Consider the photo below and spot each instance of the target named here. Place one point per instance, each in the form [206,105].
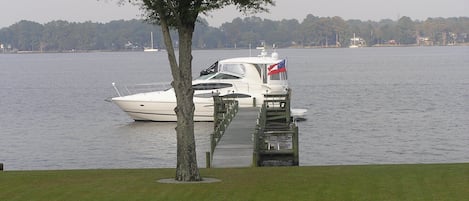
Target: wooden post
[208,160]
[216,110]
[254,102]
[213,143]
[255,153]
[255,159]
[288,110]
[296,147]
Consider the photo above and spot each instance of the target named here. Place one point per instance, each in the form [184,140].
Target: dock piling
[277,135]
[208,159]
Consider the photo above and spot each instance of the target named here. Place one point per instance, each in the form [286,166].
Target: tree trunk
[182,15]
[186,168]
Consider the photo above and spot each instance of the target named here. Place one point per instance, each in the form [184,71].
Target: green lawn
[369,182]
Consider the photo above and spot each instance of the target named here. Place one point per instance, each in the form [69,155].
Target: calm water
[366,106]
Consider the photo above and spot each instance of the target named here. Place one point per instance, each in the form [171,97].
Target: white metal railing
[125,90]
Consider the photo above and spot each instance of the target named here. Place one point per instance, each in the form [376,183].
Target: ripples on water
[385,106]
[366,106]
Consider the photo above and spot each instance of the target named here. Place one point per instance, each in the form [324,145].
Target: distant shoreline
[291,47]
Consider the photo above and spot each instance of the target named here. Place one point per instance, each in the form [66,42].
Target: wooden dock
[236,146]
[245,137]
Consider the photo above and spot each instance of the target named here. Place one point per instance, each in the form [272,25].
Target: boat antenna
[274,52]
[263,49]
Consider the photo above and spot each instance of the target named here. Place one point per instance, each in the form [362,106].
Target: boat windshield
[235,68]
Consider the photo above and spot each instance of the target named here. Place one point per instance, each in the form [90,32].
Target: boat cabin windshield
[235,68]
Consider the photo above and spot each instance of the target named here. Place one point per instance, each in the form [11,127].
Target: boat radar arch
[263,52]
[274,55]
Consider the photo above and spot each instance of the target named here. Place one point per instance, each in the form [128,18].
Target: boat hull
[161,111]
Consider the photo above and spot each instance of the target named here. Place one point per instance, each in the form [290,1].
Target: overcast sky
[43,11]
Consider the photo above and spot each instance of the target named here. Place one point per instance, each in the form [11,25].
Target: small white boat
[357,42]
[245,79]
[151,49]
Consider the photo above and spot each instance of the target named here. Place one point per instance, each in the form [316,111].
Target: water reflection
[153,144]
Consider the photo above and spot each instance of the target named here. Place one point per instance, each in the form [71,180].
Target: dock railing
[125,90]
[225,110]
[276,135]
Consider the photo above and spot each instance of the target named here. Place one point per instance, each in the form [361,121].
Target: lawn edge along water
[352,182]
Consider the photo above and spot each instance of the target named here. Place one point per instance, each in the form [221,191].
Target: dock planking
[236,146]
[245,137]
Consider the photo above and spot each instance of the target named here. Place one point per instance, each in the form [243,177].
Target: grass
[368,182]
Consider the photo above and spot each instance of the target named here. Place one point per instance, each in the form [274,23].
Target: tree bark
[186,168]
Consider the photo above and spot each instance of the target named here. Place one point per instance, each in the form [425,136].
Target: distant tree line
[313,31]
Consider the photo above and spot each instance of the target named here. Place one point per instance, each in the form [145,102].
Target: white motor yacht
[245,79]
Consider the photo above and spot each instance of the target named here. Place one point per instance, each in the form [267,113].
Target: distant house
[424,41]
[391,42]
